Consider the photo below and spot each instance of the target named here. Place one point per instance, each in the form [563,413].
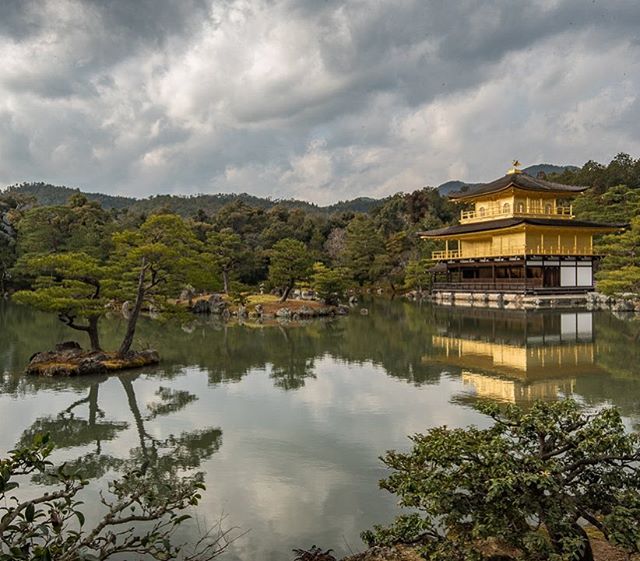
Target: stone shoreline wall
[592,300]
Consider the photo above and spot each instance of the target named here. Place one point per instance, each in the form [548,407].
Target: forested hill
[47,195]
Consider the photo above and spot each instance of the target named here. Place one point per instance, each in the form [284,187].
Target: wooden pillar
[446,248]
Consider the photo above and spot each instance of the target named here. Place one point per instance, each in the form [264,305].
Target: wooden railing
[492,213]
[517,251]
[488,285]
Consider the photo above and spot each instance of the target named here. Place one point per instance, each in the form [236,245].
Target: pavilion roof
[519,180]
[510,222]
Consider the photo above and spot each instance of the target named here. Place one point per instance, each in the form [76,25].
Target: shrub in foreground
[529,484]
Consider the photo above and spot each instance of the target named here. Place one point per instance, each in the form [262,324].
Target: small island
[69,359]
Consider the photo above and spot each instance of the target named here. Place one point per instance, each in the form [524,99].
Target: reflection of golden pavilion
[517,356]
[522,362]
[499,389]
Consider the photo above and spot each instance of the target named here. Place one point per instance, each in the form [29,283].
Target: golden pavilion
[517,234]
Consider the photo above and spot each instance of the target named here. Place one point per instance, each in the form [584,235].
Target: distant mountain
[47,194]
[548,169]
[361,204]
[454,186]
[189,205]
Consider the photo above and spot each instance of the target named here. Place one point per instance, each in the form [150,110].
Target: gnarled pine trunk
[125,346]
[225,280]
[90,329]
[94,334]
[286,292]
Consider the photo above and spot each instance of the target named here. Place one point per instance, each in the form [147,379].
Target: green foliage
[620,267]
[80,225]
[227,250]
[417,275]
[620,281]
[53,526]
[166,247]
[54,195]
[330,284]
[617,205]
[66,283]
[69,284]
[528,481]
[8,237]
[622,170]
[362,245]
[614,198]
[289,262]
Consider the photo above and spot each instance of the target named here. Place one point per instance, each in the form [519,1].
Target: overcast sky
[315,99]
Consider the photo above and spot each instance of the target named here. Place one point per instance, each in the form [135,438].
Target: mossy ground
[87,362]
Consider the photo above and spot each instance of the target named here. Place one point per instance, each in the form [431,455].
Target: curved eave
[523,182]
[510,224]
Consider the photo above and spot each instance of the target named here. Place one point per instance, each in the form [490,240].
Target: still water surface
[287,422]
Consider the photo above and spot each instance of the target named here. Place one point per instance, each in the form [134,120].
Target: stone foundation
[511,301]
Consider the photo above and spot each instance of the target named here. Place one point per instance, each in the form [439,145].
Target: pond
[287,422]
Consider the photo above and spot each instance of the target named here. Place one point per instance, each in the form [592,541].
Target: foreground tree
[290,263]
[529,482]
[151,264]
[141,514]
[68,284]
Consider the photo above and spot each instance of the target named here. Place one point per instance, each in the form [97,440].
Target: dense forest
[238,242]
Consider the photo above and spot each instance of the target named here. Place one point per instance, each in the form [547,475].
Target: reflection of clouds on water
[302,467]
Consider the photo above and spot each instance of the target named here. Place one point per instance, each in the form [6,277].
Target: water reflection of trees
[87,427]
[397,336]
[394,336]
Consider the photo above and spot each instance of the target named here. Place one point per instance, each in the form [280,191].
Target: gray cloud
[317,100]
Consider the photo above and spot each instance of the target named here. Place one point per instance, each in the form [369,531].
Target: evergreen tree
[363,243]
[226,248]
[290,262]
[68,284]
[417,276]
[330,284]
[151,264]
[620,267]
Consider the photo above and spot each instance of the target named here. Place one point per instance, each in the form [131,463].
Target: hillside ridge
[48,194]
